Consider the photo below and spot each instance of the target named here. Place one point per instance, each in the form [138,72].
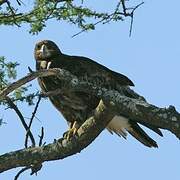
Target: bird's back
[84,67]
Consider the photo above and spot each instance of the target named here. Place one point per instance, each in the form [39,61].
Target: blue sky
[150,58]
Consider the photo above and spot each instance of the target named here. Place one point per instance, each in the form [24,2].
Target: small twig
[41,136]
[137,7]
[20,2]
[78,33]
[109,17]
[7,16]
[132,18]
[35,110]
[18,112]
[30,122]
[114,13]
[13,13]
[85,29]
[20,172]
[28,78]
[30,70]
[131,25]
[124,7]
[52,10]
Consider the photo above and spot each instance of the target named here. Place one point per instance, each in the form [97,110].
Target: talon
[71,132]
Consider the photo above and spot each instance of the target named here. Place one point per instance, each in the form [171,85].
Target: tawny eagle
[75,107]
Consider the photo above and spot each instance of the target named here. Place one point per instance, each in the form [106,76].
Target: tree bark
[61,148]
[112,101]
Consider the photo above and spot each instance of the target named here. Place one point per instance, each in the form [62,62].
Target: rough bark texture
[60,148]
[165,118]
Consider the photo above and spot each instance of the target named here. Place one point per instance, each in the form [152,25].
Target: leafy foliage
[74,12]
[37,13]
[8,73]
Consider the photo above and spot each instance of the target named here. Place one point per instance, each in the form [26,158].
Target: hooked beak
[44,52]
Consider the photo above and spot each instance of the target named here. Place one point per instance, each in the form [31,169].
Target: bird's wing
[111,76]
[101,76]
[93,71]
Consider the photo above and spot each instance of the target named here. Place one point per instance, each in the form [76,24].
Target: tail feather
[137,132]
[153,128]
[121,125]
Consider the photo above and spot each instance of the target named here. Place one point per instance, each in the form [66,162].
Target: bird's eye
[38,46]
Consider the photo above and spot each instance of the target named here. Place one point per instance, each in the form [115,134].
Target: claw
[71,132]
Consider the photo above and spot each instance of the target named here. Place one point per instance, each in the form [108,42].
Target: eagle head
[45,52]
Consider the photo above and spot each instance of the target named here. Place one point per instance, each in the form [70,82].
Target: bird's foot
[72,132]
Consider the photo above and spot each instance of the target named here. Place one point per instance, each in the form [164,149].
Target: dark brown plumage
[76,107]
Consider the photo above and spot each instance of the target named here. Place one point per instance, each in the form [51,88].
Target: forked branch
[112,101]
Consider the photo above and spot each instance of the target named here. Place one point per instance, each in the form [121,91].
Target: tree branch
[84,17]
[61,148]
[18,112]
[32,76]
[139,109]
[114,101]
[30,122]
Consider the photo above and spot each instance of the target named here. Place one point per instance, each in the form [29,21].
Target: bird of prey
[76,106]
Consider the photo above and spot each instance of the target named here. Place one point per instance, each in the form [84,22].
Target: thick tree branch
[138,109]
[61,148]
